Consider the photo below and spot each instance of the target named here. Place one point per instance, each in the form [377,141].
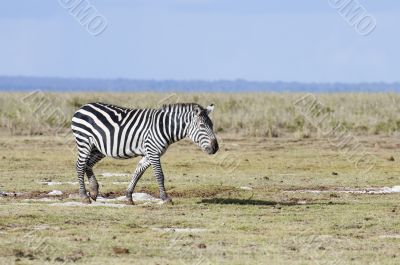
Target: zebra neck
[179,129]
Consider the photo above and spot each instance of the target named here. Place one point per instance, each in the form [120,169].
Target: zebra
[104,130]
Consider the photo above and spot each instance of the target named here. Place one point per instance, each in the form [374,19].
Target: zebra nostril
[214,146]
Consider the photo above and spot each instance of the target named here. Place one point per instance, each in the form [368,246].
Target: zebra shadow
[264,202]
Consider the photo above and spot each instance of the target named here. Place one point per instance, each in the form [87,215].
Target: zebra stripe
[106,130]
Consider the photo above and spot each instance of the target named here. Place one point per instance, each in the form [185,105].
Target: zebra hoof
[128,199]
[86,200]
[129,202]
[168,200]
[94,190]
[93,195]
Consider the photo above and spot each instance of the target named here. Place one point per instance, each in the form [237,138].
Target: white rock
[53,183]
[42,227]
[396,189]
[55,193]
[108,174]
[140,196]
[11,194]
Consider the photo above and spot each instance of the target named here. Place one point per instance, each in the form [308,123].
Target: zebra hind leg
[80,170]
[95,156]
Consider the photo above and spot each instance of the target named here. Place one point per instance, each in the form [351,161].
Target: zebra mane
[180,106]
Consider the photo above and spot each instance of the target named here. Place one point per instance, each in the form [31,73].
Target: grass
[272,222]
[267,145]
[254,114]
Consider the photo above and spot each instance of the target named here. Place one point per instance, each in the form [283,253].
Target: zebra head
[200,129]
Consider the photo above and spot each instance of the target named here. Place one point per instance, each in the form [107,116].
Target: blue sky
[266,40]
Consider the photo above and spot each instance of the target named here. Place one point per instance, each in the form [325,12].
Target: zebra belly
[124,157]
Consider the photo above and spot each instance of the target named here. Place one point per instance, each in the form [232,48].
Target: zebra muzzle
[213,148]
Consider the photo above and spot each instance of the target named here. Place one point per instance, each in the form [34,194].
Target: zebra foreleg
[143,164]
[95,157]
[158,172]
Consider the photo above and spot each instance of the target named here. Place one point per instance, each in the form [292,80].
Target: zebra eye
[202,126]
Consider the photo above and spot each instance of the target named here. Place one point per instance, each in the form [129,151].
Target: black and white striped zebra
[106,130]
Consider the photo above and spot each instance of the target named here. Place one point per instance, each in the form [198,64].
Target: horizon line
[199,80]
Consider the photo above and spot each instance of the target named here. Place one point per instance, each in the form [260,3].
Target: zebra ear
[210,109]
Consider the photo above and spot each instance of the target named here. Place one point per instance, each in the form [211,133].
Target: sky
[260,40]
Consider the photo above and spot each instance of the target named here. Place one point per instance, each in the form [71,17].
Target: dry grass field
[278,192]
[251,114]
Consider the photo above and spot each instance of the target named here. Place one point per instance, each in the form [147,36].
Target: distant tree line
[22,83]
